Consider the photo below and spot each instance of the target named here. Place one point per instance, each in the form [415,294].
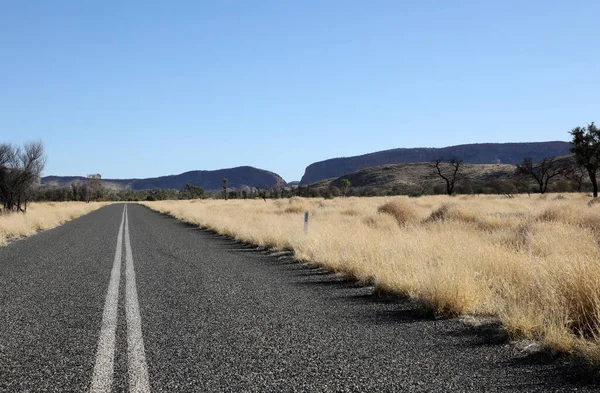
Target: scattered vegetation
[447,171]
[346,185]
[40,216]
[225,182]
[543,171]
[400,210]
[586,148]
[530,261]
[20,170]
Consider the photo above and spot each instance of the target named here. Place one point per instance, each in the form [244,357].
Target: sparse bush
[350,212]
[382,222]
[401,211]
[555,213]
[563,186]
[20,169]
[439,214]
[439,189]
[464,187]
[593,202]
[294,209]
[415,191]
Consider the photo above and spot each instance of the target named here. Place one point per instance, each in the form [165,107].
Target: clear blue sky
[147,88]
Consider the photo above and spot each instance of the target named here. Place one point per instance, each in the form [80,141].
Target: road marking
[137,367]
[105,355]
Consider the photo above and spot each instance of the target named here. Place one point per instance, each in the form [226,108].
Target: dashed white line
[104,368]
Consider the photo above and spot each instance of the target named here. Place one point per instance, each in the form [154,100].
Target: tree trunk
[594,181]
[546,185]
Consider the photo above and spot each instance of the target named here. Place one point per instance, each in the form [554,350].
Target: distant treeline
[496,186]
[92,191]
[79,192]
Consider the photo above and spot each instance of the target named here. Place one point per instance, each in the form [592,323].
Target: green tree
[346,185]
[586,147]
[191,192]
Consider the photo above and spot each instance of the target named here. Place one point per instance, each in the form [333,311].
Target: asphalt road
[126,299]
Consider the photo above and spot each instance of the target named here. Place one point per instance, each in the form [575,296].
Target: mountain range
[480,153]
[329,170]
[209,180]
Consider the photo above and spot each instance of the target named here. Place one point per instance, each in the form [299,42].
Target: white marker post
[306,222]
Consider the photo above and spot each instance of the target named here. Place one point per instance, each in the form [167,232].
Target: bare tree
[225,182]
[94,190]
[448,171]
[74,189]
[542,172]
[576,173]
[84,191]
[20,170]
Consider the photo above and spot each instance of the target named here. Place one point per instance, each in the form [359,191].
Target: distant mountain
[480,153]
[209,180]
[410,174]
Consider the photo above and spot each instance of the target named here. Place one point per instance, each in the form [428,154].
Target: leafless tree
[20,170]
[542,172]
[576,173]
[94,189]
[225,182]
[75,189]
[449,171]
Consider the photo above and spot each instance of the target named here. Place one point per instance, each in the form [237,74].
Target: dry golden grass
[532,262]
[41,216]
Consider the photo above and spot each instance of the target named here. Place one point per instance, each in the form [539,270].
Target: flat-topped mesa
[478,153]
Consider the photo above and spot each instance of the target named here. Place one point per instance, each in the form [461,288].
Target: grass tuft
[400,210]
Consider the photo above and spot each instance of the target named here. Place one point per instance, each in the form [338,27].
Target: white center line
[105,355]
[137,367]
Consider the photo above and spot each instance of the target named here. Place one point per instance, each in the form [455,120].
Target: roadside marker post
[306,222]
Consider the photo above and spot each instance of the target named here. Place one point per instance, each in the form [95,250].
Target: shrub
[593,202]
[350,212]
[294,209]
[415,191]
[438,214]
[402,212]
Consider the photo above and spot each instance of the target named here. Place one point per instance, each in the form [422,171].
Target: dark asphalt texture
[220,316]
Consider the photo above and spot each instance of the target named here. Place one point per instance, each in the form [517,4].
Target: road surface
[126,299]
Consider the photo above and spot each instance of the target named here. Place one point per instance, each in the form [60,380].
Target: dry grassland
[41,216]
[534,263]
